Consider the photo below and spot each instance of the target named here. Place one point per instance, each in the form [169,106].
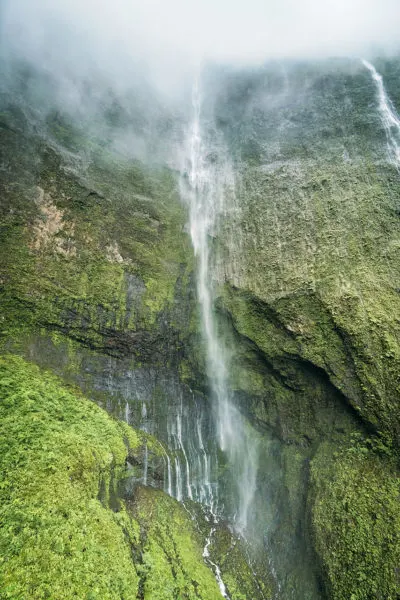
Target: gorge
[199,332]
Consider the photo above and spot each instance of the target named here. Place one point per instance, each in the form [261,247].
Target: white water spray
[178,478]
[206,494]
[169,475]
[127,412]
[390,119]
[208,184]
[145,466]
[182,448]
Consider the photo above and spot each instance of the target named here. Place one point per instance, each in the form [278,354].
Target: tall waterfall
[390,119]
[207,184]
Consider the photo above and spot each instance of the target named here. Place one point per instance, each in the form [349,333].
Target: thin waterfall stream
[207,182]
[389,117]
[212,451]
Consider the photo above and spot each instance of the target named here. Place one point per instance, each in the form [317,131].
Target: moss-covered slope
[57,538]
[355,514]
[59,455]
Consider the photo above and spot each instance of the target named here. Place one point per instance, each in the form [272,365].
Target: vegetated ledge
[76,522]
[62,460]
[354,503]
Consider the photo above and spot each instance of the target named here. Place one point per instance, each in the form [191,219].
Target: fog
[182,32]
[144,53]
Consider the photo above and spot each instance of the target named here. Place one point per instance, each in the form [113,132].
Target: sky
[188,30]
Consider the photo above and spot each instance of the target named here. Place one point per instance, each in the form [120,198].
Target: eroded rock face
[313,305]
[316,254]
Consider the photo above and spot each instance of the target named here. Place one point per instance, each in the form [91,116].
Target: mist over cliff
[199,234]
[143,56]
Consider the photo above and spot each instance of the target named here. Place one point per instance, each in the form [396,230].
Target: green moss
[241,579]
[356,520]
[100,257]
[62,461]
[57,539]
[173,566]
[278,385]
[318,276]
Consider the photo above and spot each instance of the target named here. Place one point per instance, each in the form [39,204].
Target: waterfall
[169,475]
[206,495]
[182,448]
[127,412]
[214,566]
[390,119]
[178,477]
[207,182]
[145,465]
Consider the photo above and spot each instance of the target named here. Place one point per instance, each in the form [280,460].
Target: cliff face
[97,270]
[93,251]
[97,284]
[319,230]
[314,302]
[70,524]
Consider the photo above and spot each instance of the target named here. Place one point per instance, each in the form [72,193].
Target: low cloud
[157,34]
[140,55]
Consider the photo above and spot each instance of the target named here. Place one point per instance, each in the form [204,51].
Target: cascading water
[390,119]
[190,460]
[208,181]
[215,567]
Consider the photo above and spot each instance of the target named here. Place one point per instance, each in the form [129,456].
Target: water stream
[207,183]
[390,119]
[214,566]
[208,186]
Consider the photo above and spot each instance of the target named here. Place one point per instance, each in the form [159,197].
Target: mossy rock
[243,580]
[355,493]
[57,538]
[66,531]
[98,254]
[316,252]
[172,562]
[321,286]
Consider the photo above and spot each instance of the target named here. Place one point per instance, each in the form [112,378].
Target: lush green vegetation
[243,582]
[57,539]
[356,520]
[98,256]
[59,454]
[172,562]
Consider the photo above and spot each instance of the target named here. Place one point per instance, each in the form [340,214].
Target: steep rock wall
[96,284]
[314,301]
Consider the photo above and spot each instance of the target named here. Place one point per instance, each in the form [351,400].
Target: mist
[143,55]
[171,37]
[188,30]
